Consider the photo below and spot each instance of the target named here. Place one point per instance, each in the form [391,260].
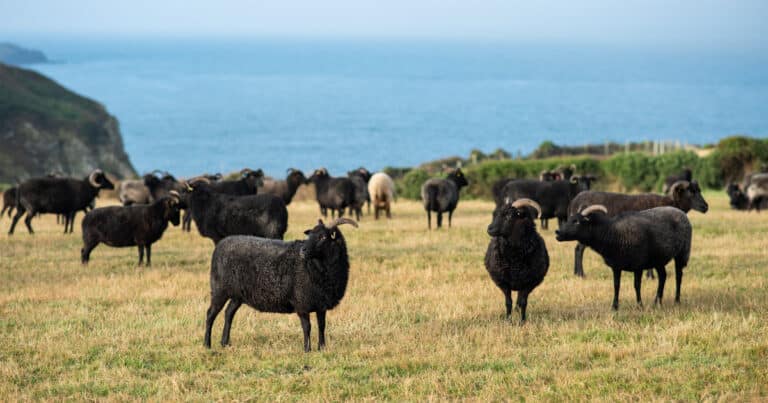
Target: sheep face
[98,178]
[319,174]
[458,177]
[172,211]
[687,195]
[321,241]
[512,222]
[739,200]
[580,226]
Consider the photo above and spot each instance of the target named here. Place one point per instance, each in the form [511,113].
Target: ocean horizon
[192,106]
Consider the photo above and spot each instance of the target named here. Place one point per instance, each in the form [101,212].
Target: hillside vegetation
[421,320]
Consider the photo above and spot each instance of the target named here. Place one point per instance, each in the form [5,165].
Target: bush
[409,186]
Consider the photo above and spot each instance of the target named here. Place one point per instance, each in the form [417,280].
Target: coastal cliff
[45,127]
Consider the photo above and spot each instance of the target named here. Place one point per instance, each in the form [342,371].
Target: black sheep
[136,225]
[219,215]
[497,190]
[283,277]
[552,196]
[634,241]
[248,184]
[684,195]
[64,196]
[442,195]
[335,194]
[284,189]
[359,178]
[516,258]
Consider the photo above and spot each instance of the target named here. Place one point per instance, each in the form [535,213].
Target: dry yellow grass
[421,320]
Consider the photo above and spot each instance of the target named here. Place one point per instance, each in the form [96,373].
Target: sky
[701,23]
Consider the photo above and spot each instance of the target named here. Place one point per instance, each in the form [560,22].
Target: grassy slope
[421,319]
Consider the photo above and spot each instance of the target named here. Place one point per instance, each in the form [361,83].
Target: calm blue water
[193,106]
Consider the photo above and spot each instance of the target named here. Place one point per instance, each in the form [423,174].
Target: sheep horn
[575,179]
[175,196]
[339,221]
[527,202]
[595,207]
[245,171]
[683,184]
[92,177]
[289,170]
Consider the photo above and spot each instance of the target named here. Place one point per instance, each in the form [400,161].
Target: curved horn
[339,221]
[595,207]
[527,202]
[678,184]
[175,196]
[575,179]
[289,170]
[92,177]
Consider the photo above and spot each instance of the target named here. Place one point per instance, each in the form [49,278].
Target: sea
[194,105]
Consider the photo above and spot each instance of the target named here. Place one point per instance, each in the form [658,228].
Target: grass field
[421,320]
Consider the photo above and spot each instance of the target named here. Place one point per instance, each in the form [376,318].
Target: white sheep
[382,191]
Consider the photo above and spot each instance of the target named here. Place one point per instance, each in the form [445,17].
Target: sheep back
[381,188]
[439,195]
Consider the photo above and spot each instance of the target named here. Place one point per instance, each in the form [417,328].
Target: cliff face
[44,127]
[12,54]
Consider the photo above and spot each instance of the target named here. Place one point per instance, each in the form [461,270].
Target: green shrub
[409,186]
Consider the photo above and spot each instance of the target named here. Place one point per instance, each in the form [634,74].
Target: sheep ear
[307,232]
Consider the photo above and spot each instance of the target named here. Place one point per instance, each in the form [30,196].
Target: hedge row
[634,171]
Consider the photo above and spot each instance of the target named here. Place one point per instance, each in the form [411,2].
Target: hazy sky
[704,23]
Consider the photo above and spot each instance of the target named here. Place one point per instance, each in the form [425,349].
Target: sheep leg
[376,213]
[149,254]
[141,254]
[429,221]
[578,264]
[85,253]
[217,303]
[662,280]
[229,314]
[306,326]
[28,221]
[321,329]
[638,282]
[508,301]
[450,214]
[678,281]
[439,219]
[522,303]
[616,286]
[19,213]
[389,213]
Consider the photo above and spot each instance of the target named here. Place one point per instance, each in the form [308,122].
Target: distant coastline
[17,55]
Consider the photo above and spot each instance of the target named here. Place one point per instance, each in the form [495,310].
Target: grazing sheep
[739,200]
[685,175]
[137,225]
[516,258]
[284,189]
[248,184]
[64,196]
[381,189]
[283,277]
[684,195]
[553,196]
[9,201]
[335,194]
[133,192]
[442,195]
[756,190]
[361,196]
[634,241]
[220,215]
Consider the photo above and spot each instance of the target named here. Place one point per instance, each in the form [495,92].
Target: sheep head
[580,225]
[325,240]
[515,221]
